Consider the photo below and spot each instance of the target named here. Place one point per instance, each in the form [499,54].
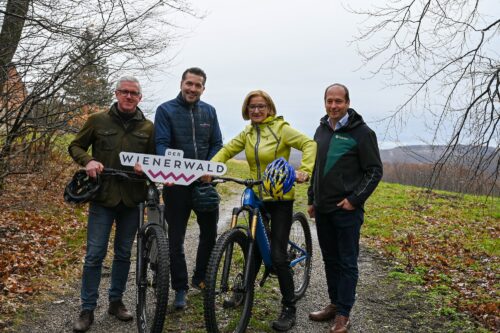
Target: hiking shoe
[83,322]
[180,299]
[325,314]
[118,309]
[286,319]
[341,324]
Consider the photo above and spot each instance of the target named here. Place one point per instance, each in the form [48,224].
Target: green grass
[447,242]
[406,277]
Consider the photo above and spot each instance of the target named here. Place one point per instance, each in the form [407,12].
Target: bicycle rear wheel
[300,248]
[153,284]
[227,301]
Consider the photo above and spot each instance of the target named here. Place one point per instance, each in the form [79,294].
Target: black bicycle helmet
[279,178]
[81,188]
[205,198]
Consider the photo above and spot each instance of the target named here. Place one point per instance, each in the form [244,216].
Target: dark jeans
[281,222]
[99,228]
[338,235]
[178,208]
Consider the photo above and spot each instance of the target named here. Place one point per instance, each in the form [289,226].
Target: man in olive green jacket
[122,128]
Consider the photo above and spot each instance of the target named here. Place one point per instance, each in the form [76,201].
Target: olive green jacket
[108,135]
[265,142]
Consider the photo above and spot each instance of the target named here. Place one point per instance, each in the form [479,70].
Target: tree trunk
[10,35]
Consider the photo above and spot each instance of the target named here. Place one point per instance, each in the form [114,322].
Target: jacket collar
[269,120]
[113,110]
[354,120]
[183,102]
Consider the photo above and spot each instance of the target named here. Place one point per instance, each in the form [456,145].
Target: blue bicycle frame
[231,279]
[258,229]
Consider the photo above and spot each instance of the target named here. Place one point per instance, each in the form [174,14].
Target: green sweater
[108,135]
[265,142]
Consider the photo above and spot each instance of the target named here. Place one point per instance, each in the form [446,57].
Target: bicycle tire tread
[229,236]
[162,280]
[299,216]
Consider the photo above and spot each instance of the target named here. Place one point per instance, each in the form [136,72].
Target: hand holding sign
[173,167]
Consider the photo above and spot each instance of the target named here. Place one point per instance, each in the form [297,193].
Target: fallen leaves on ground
[435,238]
[35,226]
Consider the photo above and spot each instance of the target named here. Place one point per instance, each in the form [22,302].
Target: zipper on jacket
[194,134]
[277,140]
[257,162]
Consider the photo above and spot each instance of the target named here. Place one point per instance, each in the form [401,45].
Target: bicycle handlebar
[246,182]
[129,175]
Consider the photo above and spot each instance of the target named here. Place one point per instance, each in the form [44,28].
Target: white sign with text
[173,167]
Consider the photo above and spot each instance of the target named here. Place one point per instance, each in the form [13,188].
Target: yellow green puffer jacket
[265,142]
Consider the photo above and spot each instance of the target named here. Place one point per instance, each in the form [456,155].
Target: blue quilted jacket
[193,128]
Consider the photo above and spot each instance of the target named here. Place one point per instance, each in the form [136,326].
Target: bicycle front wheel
[153,284]
[300,253]
[227,300]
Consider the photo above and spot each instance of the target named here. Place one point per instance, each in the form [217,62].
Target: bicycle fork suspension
[228,257]
[249,269]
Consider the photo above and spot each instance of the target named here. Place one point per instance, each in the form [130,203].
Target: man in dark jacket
[191,125]
[122,128]
[347,171]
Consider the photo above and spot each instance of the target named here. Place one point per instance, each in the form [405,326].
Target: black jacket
[347,165]
[192,128]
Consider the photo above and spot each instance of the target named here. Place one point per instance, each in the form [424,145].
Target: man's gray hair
[128,79]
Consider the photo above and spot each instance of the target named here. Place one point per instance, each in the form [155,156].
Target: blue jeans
[99,228]
[338,235]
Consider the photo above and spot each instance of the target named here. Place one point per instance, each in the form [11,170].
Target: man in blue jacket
[191,125]
[347,170]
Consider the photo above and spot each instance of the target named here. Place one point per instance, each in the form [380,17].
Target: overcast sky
[292,50]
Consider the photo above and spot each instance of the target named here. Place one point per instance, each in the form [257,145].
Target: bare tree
[44,54]
[447,53]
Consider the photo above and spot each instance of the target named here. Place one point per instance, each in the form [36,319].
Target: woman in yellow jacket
[267,138]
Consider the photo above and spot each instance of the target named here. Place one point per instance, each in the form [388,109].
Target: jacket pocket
[107,139]
[139,140]
[203,131]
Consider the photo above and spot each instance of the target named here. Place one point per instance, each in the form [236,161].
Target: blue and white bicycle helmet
[279,178]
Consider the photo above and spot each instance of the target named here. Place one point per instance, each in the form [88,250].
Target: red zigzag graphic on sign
[170,174]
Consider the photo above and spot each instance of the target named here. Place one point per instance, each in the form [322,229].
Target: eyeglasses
[128,92]
[259,107]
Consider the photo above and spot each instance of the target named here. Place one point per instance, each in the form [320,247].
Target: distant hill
[414,165]
[427,153]
[464,156]
[418,154]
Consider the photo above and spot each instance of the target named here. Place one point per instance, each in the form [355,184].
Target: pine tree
[89,87]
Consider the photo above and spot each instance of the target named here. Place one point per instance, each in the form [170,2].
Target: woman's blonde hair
[263,94]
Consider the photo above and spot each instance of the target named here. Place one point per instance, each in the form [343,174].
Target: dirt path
[382,305]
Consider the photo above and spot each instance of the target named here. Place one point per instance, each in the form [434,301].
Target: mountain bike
[152,265]
[237,257]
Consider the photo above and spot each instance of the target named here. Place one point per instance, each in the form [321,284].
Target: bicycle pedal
[228,304]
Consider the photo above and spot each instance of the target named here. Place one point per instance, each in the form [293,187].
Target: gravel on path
[382,305]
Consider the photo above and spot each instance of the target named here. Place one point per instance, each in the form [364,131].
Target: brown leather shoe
[83,322]
[341,324]
[325,314]
[118,309]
